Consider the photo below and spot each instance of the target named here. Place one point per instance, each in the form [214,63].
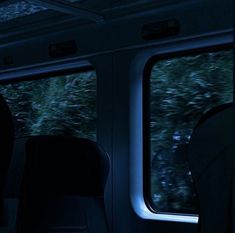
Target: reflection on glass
[182,90]
[19,9]
[63,105]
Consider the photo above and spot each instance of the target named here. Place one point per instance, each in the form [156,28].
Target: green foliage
[54,106]
[182,90]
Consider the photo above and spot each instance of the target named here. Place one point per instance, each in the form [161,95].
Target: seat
[6,146]
[212,163]
[63,186]
[6,139]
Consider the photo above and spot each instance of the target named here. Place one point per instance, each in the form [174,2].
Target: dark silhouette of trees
[54,106]
[182,90]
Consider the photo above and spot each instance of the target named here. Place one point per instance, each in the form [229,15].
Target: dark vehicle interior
[117,116]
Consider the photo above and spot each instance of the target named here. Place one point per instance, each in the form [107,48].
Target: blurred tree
[55,106]
[182,90]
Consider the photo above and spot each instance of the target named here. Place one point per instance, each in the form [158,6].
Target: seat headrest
[212,136]
[213,112]
[6,136]
[66,165]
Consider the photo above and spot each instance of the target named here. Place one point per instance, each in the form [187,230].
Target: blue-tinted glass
[182,90]
[64,105]
[19,9]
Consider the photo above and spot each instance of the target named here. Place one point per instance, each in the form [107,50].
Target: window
[178,91]
[62,105]
[19,9]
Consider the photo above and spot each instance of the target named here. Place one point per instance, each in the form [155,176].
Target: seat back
[212,163]
[63,186]
[6,145]
[6,138]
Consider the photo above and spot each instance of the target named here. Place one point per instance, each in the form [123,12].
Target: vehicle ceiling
[18,16]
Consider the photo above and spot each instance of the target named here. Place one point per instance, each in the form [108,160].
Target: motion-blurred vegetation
[182,90]
[54,106]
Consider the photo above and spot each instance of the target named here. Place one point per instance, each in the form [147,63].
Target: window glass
[19,9]
[64,105]
[182,89]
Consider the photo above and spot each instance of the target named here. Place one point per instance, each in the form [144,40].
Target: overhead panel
[70,9]
[74,1]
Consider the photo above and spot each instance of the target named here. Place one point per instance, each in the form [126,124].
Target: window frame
[45,75]
[146,116]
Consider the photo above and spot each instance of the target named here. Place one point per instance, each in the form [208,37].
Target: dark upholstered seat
[212,162]
[63,186]
[6,145]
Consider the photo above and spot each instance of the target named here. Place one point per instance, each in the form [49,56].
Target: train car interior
[117,116]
